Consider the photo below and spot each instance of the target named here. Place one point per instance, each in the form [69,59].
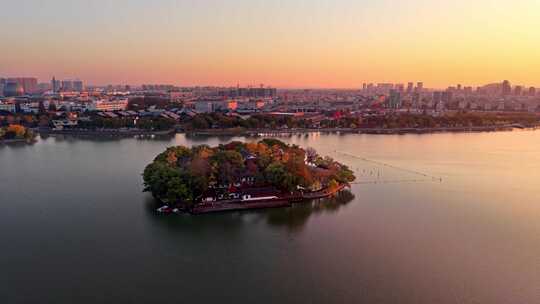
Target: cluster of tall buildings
[67,85]
[497,96]
[260,92]
[505,89]
[395,92]
[18,86]
[387,88]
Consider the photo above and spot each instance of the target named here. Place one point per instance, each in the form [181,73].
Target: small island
[242,176]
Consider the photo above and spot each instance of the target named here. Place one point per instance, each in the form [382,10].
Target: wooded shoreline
[382,131]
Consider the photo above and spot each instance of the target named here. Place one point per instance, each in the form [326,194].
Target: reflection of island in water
[295,217]
[292,218]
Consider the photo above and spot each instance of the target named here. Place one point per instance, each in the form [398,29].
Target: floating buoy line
[426,177]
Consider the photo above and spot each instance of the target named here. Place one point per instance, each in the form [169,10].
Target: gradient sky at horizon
[289,43]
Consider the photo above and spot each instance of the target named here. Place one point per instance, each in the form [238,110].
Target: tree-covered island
[237,173]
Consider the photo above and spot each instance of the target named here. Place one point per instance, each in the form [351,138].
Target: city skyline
[403,86]
[298,44]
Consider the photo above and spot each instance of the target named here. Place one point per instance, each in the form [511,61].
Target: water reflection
[202,138]
[106,138]
[16,144]
[191,224]
[293,219]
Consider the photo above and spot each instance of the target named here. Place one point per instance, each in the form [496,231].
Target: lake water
[442,218]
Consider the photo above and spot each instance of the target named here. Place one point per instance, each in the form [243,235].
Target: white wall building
[106,105]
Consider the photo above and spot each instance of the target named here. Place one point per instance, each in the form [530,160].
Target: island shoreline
[280,202]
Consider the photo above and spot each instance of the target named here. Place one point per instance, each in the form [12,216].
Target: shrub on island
[183,175]
[16,132]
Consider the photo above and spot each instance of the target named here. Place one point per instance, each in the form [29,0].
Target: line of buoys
[403,181]
[389,166]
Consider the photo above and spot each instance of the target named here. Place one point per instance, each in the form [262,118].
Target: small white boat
[164,209]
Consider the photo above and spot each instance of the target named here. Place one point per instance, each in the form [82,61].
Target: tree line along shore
[137,119]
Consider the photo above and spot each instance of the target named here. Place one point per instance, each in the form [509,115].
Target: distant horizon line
[307,87]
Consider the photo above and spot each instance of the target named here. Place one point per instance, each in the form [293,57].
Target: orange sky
[295,43]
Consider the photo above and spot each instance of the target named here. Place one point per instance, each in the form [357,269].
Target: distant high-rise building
[370,87]
[437,97]
[67,85]
[417,97]
[260,92]
[394,100]
[384,88]
[43,87]
[410,88]
[447,97]
[518,90]
[419,87]
[532,91]
[13,89]
[56,85]
[29,84]
[506,88]
[78,85]
[2,85]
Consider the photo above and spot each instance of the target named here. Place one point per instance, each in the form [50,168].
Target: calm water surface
[445,218]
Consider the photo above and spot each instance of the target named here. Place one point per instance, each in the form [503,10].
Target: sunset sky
[289,43]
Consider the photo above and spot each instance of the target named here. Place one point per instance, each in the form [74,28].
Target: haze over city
[316,43]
